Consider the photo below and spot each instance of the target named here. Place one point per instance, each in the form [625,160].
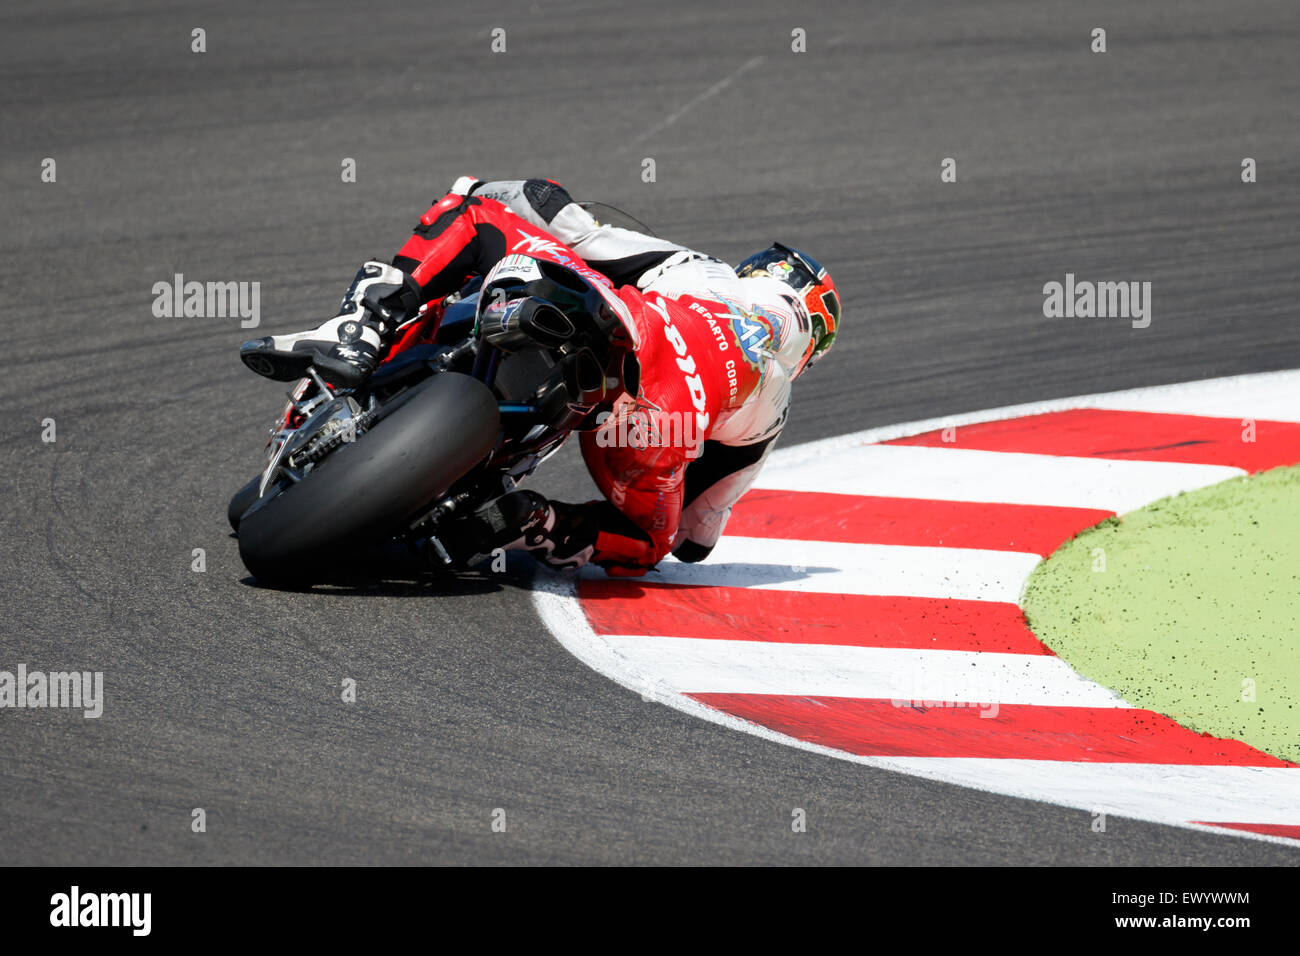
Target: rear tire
[429,437]
[242,500]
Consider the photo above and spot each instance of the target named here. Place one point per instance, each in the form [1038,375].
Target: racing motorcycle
[456,415]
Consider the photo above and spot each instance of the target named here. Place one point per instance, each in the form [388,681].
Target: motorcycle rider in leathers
[696,414]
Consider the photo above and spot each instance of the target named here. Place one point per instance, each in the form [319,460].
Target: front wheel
[430,436]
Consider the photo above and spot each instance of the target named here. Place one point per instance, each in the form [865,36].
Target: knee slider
[546,198]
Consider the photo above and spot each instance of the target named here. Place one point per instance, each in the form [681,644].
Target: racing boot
[346,349]
[557,534]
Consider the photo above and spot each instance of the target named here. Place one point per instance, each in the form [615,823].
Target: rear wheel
[429,437]
[241,501]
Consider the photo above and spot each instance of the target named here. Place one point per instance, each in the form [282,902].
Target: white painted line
[694,101]
[1273,396]
[832,567]
[1272,392]
[965,474]
[702,665]
[1269,795]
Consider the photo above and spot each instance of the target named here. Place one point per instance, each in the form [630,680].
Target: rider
[716,350]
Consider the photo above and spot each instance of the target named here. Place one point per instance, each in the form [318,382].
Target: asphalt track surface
[226,166]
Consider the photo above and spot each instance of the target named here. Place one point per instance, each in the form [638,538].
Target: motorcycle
[453,418]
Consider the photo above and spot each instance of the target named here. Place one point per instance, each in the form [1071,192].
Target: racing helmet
[813,292]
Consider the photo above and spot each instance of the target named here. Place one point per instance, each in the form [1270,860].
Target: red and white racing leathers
[717,354]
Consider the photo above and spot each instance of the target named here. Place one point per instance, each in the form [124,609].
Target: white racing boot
[348,347]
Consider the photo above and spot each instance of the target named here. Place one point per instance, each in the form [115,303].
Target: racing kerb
[864,604]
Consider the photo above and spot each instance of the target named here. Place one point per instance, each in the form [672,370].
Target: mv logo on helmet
[686,363]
